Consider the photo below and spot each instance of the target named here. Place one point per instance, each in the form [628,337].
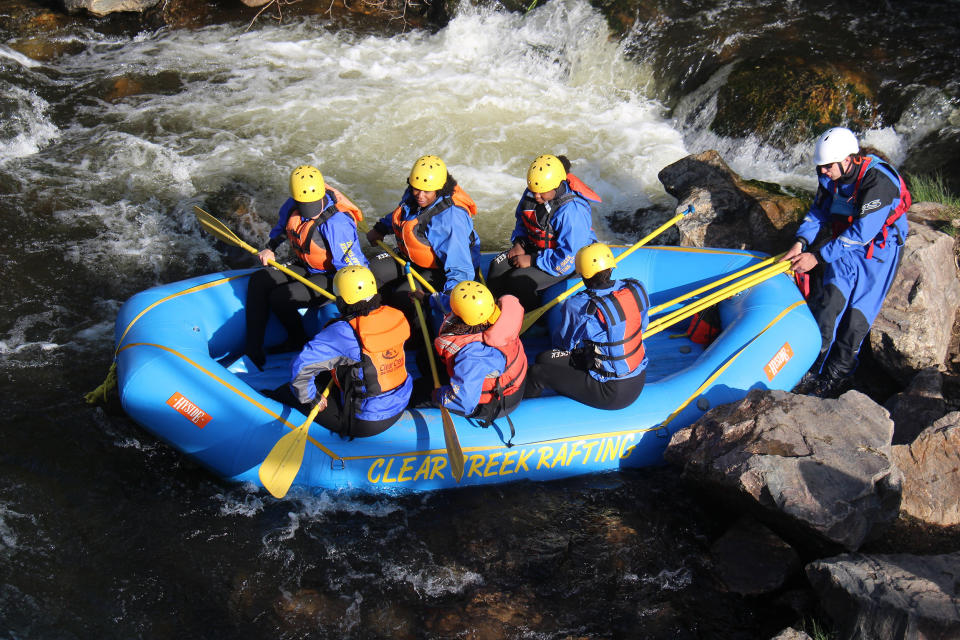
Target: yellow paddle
[283,462]
[222,231]
[362,225]
[532,316]
[454,452]
[722,294]
[715,283]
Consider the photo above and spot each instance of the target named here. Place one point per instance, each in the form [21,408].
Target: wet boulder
[930,467]
[104,7]
[890,596]
[729,211]
[809,465]
[913,329]
[785,101]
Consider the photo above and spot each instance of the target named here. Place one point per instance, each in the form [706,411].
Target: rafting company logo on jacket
[870,206]
[188,410]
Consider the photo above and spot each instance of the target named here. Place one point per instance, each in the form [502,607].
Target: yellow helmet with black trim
[594,258]
[473,303]
[546,173]
[353,284]
[306,184]
[428,174]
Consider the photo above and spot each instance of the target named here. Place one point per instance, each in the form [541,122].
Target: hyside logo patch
[870,206]
[778,361]
[188,410]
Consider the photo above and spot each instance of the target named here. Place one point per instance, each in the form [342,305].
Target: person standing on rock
[554,220]
[321,225]
[863,201]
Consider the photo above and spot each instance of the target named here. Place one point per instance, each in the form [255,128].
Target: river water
[106,532]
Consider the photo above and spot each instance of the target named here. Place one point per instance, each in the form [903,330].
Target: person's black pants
[553,370]
[525,283]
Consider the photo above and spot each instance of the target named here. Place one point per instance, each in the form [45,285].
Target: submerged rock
[821,464]
[750,559]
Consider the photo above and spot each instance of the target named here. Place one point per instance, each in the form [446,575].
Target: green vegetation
[813,629]
[933,188]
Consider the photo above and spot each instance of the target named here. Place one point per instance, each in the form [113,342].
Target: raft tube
[181,377]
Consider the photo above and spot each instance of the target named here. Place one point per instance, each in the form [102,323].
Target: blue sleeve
[877,199]
[519,231]
[341,235]
[449,234]
[333,346]
[470,367]
[573,224]
[279,232]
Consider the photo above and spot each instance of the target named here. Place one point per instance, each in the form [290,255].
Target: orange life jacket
[381,334]
[301,231]
[412,234]
[504,336]
[539,228]
[839,224]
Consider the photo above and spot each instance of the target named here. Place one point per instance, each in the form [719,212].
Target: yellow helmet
[428,174]
[354,284]
[545,174]
[473,303]
[306,184]
[594,258]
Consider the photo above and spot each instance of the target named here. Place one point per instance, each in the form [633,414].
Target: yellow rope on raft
[99,395]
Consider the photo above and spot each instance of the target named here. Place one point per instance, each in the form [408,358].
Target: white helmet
[834,145]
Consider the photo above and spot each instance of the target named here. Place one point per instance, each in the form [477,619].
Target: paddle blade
[283,462]
[454,452]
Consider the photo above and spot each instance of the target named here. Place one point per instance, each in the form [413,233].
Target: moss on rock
[790,100]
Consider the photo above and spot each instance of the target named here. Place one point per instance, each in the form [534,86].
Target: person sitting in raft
[321,224]
[553,222]
[433,225]
[863,201]
[599,359]
[479,343]
[363,350]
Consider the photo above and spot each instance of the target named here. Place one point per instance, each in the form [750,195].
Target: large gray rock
[913,329]
[890,597]
[821,464]
[730,212]
[930,466]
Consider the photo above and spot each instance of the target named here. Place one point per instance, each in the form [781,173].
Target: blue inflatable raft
[178,379]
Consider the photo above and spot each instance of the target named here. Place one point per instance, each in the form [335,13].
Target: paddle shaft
[729,291]
[716,283]
[532,316]
[220,230]
[450,437]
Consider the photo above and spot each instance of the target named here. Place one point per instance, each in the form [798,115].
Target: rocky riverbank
[850,505]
